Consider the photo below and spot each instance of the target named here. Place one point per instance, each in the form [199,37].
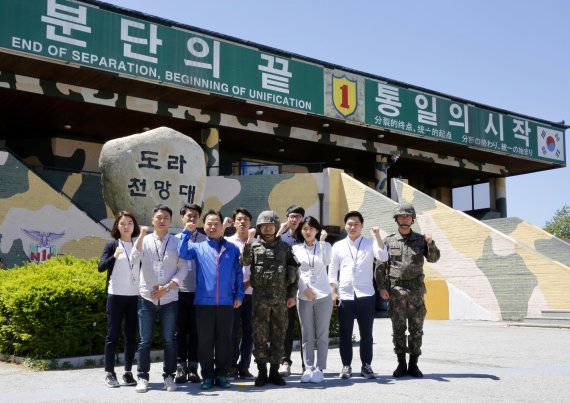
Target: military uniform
[403,277]
[274,279]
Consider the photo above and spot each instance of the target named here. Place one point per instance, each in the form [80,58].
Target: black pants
[121,308]
[292,316]
[214,339]
[361,309]
[242,334]
[186,331]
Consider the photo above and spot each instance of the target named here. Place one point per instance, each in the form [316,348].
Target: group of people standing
[221,299]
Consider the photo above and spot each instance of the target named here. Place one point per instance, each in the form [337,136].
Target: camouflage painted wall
[37,222]
[533,237]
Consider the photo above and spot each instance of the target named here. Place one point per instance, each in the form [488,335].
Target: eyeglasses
[295,216]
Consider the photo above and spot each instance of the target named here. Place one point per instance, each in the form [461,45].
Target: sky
[509,54]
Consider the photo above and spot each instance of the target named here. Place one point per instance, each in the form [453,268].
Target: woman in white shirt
[314,296]
[122,295]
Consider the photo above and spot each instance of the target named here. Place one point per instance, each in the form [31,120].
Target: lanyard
[160,259]
[311,265]
[133,280]
[126,254]
[354,258]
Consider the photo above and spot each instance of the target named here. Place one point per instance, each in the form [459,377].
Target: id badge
[159,271]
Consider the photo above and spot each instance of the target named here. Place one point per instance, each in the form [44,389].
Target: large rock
[145,169]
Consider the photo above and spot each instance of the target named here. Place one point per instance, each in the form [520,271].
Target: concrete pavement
[462,362]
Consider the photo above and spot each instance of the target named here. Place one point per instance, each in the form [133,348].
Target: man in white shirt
[352,263]
[161,273]
[242,332]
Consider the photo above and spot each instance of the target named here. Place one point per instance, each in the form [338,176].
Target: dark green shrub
[54,309]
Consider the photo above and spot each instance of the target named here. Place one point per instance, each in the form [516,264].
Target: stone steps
[556,313]
[549,318]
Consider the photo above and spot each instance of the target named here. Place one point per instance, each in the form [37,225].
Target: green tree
[559,225]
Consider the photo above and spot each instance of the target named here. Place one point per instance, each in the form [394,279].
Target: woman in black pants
[122,296]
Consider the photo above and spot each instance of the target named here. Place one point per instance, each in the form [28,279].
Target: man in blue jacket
[219,289]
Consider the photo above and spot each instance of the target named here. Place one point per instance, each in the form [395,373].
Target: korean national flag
[550,143]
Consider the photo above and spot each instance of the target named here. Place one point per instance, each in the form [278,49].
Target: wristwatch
[167,288]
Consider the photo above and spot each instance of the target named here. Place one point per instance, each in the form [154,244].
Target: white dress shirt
[160,265]
[246,269]
[314,260]
[352,266]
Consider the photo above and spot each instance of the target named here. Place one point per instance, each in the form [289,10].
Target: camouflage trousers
[269,320]
[407,311]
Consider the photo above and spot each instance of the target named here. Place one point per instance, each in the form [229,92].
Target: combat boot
[274,376]
[402,368]
[261,379]
[413,369]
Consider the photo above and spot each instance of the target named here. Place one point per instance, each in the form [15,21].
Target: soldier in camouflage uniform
[401,279]
[274,278]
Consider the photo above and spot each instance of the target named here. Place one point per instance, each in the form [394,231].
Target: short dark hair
[243,211]
[213,212]
[187,207]
[354,214]
[163,207]
[313,222]
[115,230]
[295,209]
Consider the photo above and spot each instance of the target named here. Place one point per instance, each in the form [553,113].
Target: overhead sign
[82,34]
[426,115]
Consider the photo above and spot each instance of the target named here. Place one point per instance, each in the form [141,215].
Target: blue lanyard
[160,259]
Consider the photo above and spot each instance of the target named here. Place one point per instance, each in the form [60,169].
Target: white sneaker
[169,384]
[142,386]
[318,376]
[307,375]
[285,369]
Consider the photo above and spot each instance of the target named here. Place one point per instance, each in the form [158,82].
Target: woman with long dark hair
[122,296]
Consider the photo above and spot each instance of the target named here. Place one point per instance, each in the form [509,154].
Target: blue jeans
[167,314]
